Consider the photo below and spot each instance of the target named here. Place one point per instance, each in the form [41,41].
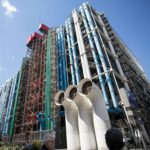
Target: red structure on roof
[32,37]
[43,28]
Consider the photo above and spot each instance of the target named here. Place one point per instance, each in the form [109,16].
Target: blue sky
[19,18]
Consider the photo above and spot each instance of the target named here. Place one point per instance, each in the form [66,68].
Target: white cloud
[9,8]
[1,68]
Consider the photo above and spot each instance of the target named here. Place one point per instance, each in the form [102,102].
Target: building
[86,46]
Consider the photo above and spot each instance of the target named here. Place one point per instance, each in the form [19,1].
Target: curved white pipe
[71,118]
[59,98]
[100,115]
[85,120]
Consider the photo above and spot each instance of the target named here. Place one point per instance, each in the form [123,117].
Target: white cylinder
[82,50]
[71,118]
[73,139]
[85,120]
[100,115]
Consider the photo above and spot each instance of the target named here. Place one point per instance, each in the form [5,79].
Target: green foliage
[36,145]
[17,148]
[10,148]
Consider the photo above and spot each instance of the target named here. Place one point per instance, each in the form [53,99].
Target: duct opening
[61,98]
[86,88]
[73,93]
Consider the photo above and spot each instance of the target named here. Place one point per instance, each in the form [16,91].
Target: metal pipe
[95,57]
[63,57]
[48,78]
[10,103]
[70,53]
[85,120]
[84,61]
[113,51]
[15,102]
[74,51]
[108,78]
[100,115]
[59,61]
[6,100]
[71,118]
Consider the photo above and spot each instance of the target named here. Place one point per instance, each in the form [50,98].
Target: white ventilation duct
[59,98]
[71,118]
[100,115]
[85,121]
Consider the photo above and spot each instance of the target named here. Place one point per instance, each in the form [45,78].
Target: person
[114,139]
[48,143]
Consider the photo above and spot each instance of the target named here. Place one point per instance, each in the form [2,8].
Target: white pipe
[73,115]
[84,61]
[95,57]
[74,51]
[100,52]
[70,53]
[100,115]
[71,118]
[119,68]
[113,51]
[85,120]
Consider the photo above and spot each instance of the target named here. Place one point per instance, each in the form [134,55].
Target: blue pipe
[7,111]
[74,52]
[40,116]
[58,67]
[4,116]
[63,57]
[70,55]
[95,57]
[59,61]
[6,103]
[108,78]
[57,64]
[9,107]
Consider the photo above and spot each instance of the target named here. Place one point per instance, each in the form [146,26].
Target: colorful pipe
[101,56]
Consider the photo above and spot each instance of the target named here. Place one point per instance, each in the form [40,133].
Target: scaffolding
[139,86]
[34,92]
[16,119]
[86,47]
[34,106]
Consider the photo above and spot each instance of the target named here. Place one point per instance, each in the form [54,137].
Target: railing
[39,135]
[32,136]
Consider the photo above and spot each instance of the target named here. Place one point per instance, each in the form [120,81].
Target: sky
[20,18]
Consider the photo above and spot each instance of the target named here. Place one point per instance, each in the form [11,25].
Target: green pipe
[48,91]
[15,104]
